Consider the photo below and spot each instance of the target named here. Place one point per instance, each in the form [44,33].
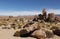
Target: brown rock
[57,19]
[27,31]
[51,17]
[39,34]
[56,32]
[44,14]
[40,16]
[35,18]
[24,33]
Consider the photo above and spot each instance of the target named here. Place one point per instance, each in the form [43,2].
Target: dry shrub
[17,34]
[54,28]
[0,24]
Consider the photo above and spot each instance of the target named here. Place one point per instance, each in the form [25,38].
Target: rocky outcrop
[40,17]
[57,19]
[24,33]
[51,17]
[49,34]
[39,34]
[28,30]
[44,14]
[35,30]
[47,18]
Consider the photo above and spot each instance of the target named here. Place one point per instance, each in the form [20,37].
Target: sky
[28,7]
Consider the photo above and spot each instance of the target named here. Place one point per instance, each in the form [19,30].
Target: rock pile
[47,18]
[44,14]
[34,30]
[51,17]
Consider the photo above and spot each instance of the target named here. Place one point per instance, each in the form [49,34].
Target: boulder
[39,34]
[44,14]
[27,25]
[40,17]
[51,17]
[35,19]
[24,33]
[56,32]
[27,31]
[48,32]
[57,19]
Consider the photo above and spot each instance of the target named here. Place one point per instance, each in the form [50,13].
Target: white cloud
[56,11]
[16,13]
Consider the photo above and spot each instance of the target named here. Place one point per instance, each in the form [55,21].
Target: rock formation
[57,19]
[44,14]
[39,34]
[27,31]
[51,17]
[47,18]
[33,29]
[40,17]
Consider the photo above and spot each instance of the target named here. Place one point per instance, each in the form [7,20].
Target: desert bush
[6,28]
[54,28]
[0,24]
[19,26]
[17,34]
[13,26]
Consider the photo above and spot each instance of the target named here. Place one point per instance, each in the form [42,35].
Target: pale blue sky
[29,7]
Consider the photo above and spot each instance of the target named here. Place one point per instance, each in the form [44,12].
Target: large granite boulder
[49,34]
[44,14]
[51,17]
[27,31]
[24,33]
[40,17]
[39,34]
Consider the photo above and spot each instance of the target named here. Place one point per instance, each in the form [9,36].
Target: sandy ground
[8,34]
